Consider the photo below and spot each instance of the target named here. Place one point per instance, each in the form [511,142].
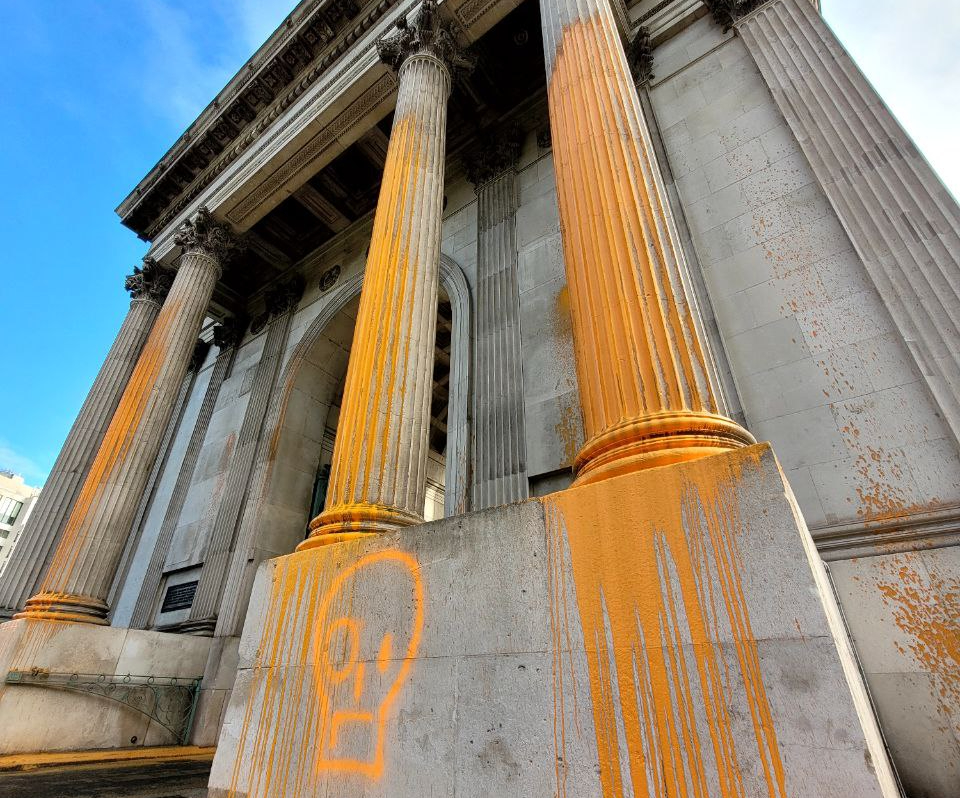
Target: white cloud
[257,19]
[11,460]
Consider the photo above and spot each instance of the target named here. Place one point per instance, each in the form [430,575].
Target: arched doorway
[300,429]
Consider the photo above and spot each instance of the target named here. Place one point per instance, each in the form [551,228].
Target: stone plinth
[672,626]
[55,718]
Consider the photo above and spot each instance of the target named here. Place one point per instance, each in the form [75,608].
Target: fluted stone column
[281,304]
[226,337]
[378,474]
[646,384]
[31,557]
[76,586]
[902,221]
[500,457]
[200,350]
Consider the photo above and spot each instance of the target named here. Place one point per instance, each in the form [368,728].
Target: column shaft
[147,598]
[500,472]
[902,221]
[34,550]
[83,566]
[378,474]
[645,382]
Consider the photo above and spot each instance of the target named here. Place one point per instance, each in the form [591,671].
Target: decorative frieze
[244,110]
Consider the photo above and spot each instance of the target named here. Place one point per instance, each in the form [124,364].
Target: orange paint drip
[667,631]
[326,676]
[645,387]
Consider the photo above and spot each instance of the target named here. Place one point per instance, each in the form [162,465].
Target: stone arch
[274,515]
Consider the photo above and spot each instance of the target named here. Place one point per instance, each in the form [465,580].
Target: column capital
[229,332]
[285,296]
[425,34]
[151,282]
[204,234]
[727,12]
[640,57]
[494,156]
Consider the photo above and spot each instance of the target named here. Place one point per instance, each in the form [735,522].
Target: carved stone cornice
[727,12]
[229,332]
[313,38]
[205,234]
[285,296]
[493,157]
[426,34]
[151,282]
[640,57]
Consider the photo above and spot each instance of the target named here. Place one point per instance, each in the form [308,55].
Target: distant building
[16,503]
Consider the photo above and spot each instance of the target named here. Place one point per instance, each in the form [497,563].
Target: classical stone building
[529,271]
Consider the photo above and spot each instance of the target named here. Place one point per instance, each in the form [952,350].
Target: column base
[202,627]
[695,588]
[353,521]
[656,440]
[65,607]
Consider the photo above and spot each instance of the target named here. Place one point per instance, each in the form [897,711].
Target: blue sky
[93,92]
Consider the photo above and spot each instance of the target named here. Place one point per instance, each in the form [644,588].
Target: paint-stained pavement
[178,779]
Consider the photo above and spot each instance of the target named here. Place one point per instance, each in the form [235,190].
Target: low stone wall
[672,627]
[63,687]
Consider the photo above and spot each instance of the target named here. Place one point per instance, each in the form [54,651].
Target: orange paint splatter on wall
[327,675]
[668,636]
[926,608]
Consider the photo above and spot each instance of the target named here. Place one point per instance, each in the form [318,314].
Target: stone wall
[559,647]
[822,372]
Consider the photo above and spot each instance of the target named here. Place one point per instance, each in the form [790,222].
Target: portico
[468,443]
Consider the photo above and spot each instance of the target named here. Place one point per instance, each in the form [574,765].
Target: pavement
[162,777]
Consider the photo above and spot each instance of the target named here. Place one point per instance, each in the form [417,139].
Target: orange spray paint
[654,609]
[326,676]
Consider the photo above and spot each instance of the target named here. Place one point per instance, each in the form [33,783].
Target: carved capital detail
[152,281]
[205,234]
[493,157]
[285,296]
[640,57]
[228,333]
[727,12]
[424,33]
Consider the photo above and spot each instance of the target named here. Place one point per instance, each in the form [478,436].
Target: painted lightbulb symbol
[363,657]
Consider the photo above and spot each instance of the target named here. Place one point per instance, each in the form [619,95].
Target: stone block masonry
[671,626]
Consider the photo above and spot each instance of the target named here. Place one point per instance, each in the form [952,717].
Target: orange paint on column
[656,577]
[647,389]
